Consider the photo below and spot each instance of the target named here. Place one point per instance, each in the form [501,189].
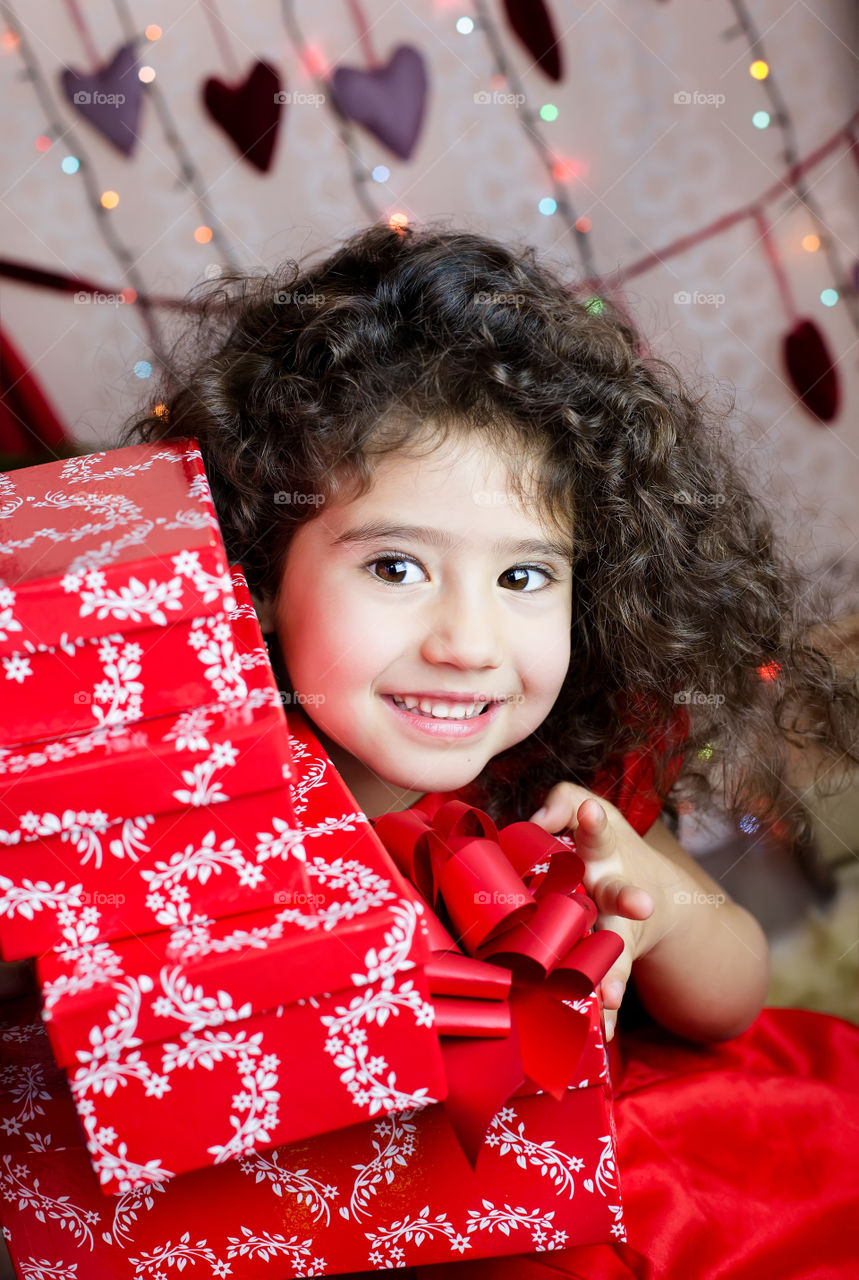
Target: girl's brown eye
[519,583]
[398,566]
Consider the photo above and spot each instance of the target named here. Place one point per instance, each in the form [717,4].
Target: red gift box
[378,1195]
[112,571]
[80,862]
[403,1190]
[190,1046]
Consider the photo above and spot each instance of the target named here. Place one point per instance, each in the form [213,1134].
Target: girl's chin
[430,780]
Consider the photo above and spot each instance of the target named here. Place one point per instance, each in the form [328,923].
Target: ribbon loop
[513,898]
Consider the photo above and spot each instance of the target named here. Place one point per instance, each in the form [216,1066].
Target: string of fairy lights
[818,238]
[539,117]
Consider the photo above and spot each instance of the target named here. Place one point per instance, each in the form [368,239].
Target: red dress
[737,1160]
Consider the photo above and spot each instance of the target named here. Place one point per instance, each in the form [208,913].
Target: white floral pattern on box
[220,837]
[393,1192]
[134,543]
[338,978]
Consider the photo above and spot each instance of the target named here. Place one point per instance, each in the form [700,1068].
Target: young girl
[507,554]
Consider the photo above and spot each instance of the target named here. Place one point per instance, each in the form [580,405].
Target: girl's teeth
[440,710]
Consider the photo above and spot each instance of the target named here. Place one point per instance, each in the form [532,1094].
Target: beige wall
[653,170]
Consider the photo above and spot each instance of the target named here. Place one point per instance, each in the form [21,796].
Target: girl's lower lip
[428,727]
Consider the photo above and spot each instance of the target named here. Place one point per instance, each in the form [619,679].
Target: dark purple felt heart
[532,22]
[811,371]
[110,99]
[388,101]
[249,112]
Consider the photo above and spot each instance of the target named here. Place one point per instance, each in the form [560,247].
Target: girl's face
[425,590]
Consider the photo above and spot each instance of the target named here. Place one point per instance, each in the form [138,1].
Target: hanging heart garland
[531,21]
[110,98]
[809,365]
[388,100]
[811,370]
[248,112]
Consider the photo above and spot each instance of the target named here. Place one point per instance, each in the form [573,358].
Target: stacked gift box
[131,803]
[338,1046]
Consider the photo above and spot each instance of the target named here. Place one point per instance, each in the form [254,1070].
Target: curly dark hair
[686,610]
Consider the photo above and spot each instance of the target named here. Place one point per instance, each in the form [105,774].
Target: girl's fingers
[620,898]
[558,811]
[612,991]
[594,834]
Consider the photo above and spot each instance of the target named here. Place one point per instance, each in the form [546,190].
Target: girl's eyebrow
[376,530]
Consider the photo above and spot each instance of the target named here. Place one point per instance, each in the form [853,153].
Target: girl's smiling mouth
[455,716]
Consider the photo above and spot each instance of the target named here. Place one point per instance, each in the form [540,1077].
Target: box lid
[201,756]
[356,906]
[124,539]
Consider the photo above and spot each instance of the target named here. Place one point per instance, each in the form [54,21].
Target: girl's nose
[463,634]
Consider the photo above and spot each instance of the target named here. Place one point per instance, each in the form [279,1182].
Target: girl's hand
[627,879]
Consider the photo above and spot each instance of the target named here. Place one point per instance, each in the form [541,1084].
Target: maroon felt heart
[811,371]
[109,99]
[388,101]
[249,112]
[532,23]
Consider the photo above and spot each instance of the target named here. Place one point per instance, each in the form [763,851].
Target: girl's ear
[264,612]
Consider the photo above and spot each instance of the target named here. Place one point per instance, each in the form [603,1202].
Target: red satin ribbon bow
[513,897]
